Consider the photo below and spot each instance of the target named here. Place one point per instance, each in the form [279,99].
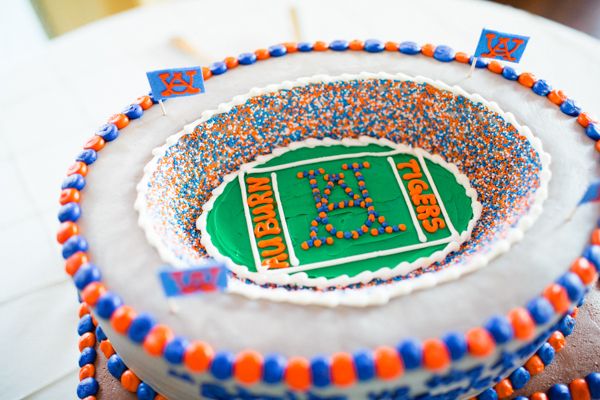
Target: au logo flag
[176,82]
[592,193]
[205,278]
[501,46]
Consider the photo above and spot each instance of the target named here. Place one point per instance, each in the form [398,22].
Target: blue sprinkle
[540,309]
[592,254]
[510,73]
[411,352]
[145,392]
[500,329]
[85,324]
[108,132]
[107,304]
[133,111]
[573,285]
[222,365]
[218,68]
[88,156]
[410,48]
[319,367]
[519,378]
[85,275]
[69,212]
[374,46]
[73,245]
[339,45]
[567,324]
[444,53]
[488,394]
[140,327]
[457,345]
[559,392]
[364,364]
[175,350]
[541,87]
[277,50]
[87,356]
[571,108]
[546,353]
[116,366]
[247,58]
[593,381]
[593,131]
[87,387]
[75,181]
[100,335]
[273,368]
[305,46]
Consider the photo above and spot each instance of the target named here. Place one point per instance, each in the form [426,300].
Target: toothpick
[473,63]
[173,307]
[295,21]
[162,107]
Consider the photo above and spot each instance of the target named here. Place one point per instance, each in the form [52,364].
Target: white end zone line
[257,263]
[413,216]
[293,259]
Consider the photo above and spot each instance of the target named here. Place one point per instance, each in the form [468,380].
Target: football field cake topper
[339,208]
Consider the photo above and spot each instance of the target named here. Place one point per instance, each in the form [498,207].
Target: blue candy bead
[500,329]
[444,53]
[175,350]
[140,326]
[570,108]
[108,132]
[410,48]
[480,63]
[519,378]
[411,352]
[154,99]
[593,381]
[88,156]
[305,46]
[364,364]
[85,275]
[573,285]
[593,131]
[541,87]
[145,392]
[277,50]
[521,398]
[488,394]
[273,368]
[222,365]
[75,181]
[85,324]
[457,345]
[116,366]
[546,353]
[540,309]
[87,356]
[100,335]
[69,212]
[133,111]
[319,367]
[374,46]
[87,387]
[567,324]
[339,45]
[218,68]
[559,392]
[247,58]
[592,254]
[73,245]
[510,73]
[107,304]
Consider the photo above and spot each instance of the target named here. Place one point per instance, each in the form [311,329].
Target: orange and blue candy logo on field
[176,82]
[501,46]
[211,277]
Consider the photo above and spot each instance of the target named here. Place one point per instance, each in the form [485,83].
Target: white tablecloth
[54,101]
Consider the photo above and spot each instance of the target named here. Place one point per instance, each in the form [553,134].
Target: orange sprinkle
[78,167]
[366,164]
[88,339]
[122,318]
[342,369]
[522,323]
[479,341]
[198,356]
[157,339]
[66,230]
[329,240]
[300,175]
[388,364]
[504,388]
[320,46]
[584,119]
[120,120]
[428,49]
[374,232]
[435,354]
[527,79]
[92,292]
[557,295]
[87,371]
[557,97]
[206,73]
[130,381]
[318,243]
[391,46]
[248,367]
[462,57]
[231,62]
[584,270]
[297,373]
[495,67]
[389,229]
[73,263]
[402,227]
[534,365]
[69,195]
[106,348]
[339,234]
[95,143]
[356,45]
[304,246]
[579,389]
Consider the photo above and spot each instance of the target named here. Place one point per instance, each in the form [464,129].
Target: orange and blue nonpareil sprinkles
[502,165]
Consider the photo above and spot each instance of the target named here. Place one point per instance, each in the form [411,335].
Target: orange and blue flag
[501,46]
[176,82]
[592,193]
[211,277]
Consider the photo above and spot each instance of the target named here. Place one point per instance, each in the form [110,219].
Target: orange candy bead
[557,97]
[526,79]
[145,102]
[584,270]
[479,341]
[106,348]
[435,354]
[120,120]
[206,73]
[262,54]
[391,46]
[248,367]
[428,49]
[534,365]
[157,339]
[495,67]
[342,369]
[122,318]
[291,47]
[160,397]
[130,381]
[198,356]
[538,396]
[356,45]
[504,389]
[558,297]
[297,373]
[579,390]
[92,292]
[95,143]
[73,263]
[462,57]
[66,230]
[84,309]
[595,239]
[388,364]
[88,339]
[522,323]
[87,371]
[319,45]
[69,195]
[231,62]
[584,119]
[78,167]
[557,341]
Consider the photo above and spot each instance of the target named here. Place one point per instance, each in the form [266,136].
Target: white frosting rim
[379,294]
